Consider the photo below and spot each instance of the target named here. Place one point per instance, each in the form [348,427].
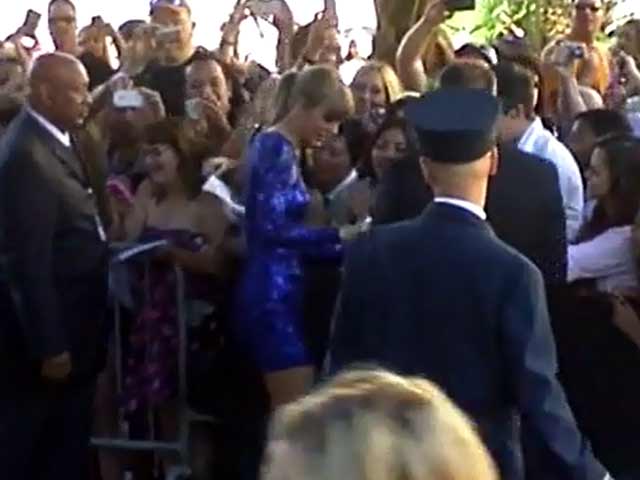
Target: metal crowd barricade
[186,417]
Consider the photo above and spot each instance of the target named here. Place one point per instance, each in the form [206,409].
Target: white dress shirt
[607,258]
[537,140]
[63,137]
[477,210]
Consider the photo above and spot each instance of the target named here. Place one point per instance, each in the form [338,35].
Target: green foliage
[542,20]
[497,17]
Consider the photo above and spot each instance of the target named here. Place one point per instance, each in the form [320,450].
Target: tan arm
[414,44]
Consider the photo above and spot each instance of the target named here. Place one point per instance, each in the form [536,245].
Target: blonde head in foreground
[374,425]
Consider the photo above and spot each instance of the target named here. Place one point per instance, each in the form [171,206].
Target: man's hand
[626,319]
[565,57]
[435,12]
[57,369]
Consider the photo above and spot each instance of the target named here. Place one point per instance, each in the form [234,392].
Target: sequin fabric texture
[270,297]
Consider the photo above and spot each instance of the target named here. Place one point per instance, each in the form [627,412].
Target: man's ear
[43,93]
[495,162]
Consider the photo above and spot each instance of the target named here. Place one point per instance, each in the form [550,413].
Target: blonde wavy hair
[392,85]
[374,425]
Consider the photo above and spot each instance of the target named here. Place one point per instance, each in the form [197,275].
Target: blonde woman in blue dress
[310,105]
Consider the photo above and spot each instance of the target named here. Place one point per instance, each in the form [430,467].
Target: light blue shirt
[539,141]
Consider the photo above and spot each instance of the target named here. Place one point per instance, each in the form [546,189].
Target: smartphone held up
[168,35]
[194,109]
[128,99]
[27,31]
[460,5]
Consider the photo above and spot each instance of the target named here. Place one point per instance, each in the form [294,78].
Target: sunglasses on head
[170,3]
[584,7]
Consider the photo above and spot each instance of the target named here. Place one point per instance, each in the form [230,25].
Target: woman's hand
[351,232]
[121,211]
[435,12]
[218,166]
[630,71]
[626,319]
[231,29]
[317,215]
[360,200]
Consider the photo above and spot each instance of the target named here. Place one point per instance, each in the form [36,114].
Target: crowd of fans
[254,183]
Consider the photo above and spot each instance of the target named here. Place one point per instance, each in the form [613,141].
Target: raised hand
[435,12]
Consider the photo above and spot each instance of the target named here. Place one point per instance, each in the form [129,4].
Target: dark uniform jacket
[442,297]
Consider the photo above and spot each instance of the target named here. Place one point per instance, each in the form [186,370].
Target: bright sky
[208,14]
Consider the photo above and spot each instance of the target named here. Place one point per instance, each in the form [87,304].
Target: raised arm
[414,45]
[631,73]
[227,50]
[562,64]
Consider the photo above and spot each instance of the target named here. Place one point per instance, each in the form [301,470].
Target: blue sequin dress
[270,296]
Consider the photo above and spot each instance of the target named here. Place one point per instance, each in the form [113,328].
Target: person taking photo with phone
[576,59]
[625,65]
[426,48]
[173,26]
[90,47]
[94,43]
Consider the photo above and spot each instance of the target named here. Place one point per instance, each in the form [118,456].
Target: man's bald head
[59,89]
[53,68]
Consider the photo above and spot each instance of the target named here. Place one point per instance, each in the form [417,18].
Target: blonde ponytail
[311,88]
[284,95]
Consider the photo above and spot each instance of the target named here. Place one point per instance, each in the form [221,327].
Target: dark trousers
[44,432]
